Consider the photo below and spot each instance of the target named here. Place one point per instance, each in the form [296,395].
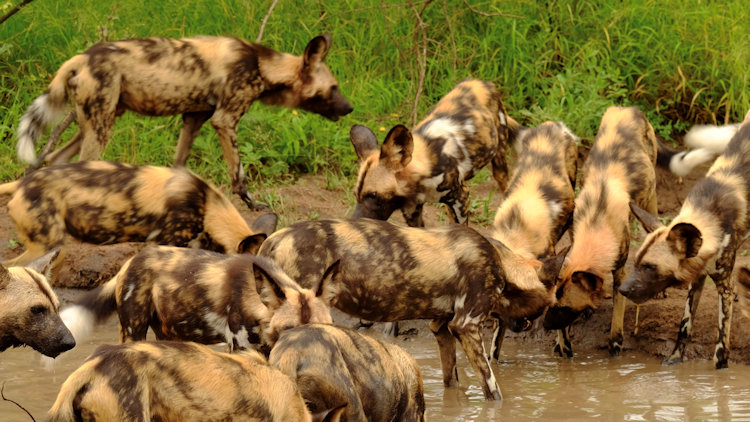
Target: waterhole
[535,384]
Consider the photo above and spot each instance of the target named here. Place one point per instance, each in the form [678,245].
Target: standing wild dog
[333,365]
[466,130]
[203,78]
[618,170]
[101,202]
[201,296]
[701,240]
[451,275]
[29,310]
[173,381]
[538,205]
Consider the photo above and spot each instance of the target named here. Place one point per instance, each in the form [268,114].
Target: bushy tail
[94,308]
[46,108]
[706,142]
[711,138]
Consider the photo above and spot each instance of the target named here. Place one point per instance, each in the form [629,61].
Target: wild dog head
[668,257]
[290,304]
[311,86]
[383,185]
[29,309]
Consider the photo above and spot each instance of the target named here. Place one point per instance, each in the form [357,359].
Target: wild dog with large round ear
[702,240]
[203,78]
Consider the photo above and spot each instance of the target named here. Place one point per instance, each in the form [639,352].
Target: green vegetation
[681,62]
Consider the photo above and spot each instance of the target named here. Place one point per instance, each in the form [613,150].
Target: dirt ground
[309,197]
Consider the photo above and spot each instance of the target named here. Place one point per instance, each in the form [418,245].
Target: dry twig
[265,19]
[2,394]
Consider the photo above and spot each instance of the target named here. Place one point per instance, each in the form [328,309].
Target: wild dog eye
[38,310]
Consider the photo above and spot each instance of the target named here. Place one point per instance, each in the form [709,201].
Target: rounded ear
[327,277]
[316,50]
[685,239]
[397,148]
[589,281]
[43,265]
[251,244]
[364,141]
[268,288]
[550,269]
[265,223]
[649,221]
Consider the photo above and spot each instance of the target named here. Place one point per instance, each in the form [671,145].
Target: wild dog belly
[395,302]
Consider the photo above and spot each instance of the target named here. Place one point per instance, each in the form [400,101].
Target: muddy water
[535,385]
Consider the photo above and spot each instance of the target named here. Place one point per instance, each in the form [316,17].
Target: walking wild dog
[173,381]
[538,205]
[29,309]
[467,129]
[101,202]
[618,170]
[451,275]
[201,296]
[203,78]
[333,365]
[701,240]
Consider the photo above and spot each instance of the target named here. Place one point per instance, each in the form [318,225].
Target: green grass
[681,62]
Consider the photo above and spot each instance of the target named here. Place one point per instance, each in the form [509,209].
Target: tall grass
[681,62]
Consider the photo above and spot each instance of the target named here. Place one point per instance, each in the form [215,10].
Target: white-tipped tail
[40,115]
[712,138]
[79,320]
[684,162]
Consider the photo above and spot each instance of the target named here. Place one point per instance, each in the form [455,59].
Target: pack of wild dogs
[208,277]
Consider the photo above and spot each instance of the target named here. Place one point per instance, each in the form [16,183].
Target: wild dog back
[175,381]
[333,365]
[466,130]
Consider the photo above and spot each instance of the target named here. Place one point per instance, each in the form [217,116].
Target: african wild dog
[101,202]
[618,170]
[743,289]
[451,275]
[332,365]
[176,381]
[201,296]
[538,205]
[701,240]
[203,78]
[467,129]
[29,309]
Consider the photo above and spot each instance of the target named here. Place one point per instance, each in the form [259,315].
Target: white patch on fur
[684,162]
[129,292]
[40,111]
[153,234]
[726,240]
[687,316]
[565,130]
[430,186]
[79,320]
[712,138]
[217,322]
[455,134]
[503,119]
[460,302]
[554,209]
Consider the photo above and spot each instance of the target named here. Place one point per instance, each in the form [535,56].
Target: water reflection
[535,385]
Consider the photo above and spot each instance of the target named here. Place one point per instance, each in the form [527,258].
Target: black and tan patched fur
[330,365]
[29,309]
[538,205]
[175,381]
[201,296]
[618,170]
[203,78]
[465,131]
[103,202]
[450,275]
[702,240]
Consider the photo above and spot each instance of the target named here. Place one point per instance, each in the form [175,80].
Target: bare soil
[309,197]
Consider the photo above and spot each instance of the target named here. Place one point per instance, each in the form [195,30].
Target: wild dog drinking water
[466,130]
[332,365]
[29,309]
[201,296]
[176,381]
[618,170]
[701,240]
[538,205]
[451,275]
[203,78]
[102,202]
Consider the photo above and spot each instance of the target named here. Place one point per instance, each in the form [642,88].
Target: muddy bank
[87,265]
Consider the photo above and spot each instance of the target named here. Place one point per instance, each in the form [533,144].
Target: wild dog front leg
[686,325]
[468,332]
[726,299]
[618,313]
[457,201]
[497,339]
[413,214]
[191,124]
[563,347]
[447,347]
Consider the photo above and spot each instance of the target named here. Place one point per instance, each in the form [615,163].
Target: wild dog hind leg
[563,346]
[618,313]
[686,325]
[191,125]
[447,347]
[469,334]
